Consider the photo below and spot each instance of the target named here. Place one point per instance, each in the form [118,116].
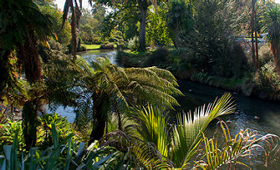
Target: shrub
[82,48]
[107,46]
[268,82]
[8,130]
[121,46]
[61,155]
[63,127]
[265,55]
[184,62]
[232,63]
[9,127]
[159,56]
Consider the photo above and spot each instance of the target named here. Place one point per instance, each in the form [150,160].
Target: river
[252,113]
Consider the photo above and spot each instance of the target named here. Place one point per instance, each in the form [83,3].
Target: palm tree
[155,144]
[186,134]
[272,26]
[76,11]
[22,25]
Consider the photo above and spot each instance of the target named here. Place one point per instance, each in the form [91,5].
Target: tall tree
[91,24]
[76,12]
[125,19]
[179,21]
[143,7]
[254,36]
[157,32]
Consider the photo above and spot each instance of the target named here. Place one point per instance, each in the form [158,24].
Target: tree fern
[86,86]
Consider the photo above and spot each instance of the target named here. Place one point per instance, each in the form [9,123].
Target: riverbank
[264,84]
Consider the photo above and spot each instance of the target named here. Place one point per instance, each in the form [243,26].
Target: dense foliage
[123,112]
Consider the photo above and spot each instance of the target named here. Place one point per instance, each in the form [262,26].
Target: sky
[60,3]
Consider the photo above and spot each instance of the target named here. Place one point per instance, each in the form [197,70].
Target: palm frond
[189,129]
[103,61]
[148,157]
[240,147]
[152,127]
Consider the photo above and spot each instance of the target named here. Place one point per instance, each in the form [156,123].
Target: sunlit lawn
[91,47]
[94,46]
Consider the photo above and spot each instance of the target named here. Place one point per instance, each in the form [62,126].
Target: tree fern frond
[163,85]
[120,98]
[156,97]
[165,74]
[113,88]
[116,74]
[142,72]
[84,66]
[103,61]
[96,66]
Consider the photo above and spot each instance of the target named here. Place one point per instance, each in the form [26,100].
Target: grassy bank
[92,46]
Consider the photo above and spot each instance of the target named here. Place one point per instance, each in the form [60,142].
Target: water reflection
[92,55]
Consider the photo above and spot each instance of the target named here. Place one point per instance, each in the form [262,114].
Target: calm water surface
[252,113]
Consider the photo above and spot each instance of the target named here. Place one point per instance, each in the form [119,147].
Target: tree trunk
[100,108]
[98,129]
[74,34]
[4,70]
[256,36]
[143,8]
[252,37]
[119,121]
[29,58]
[174,42]
[275,48]
[29,123]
